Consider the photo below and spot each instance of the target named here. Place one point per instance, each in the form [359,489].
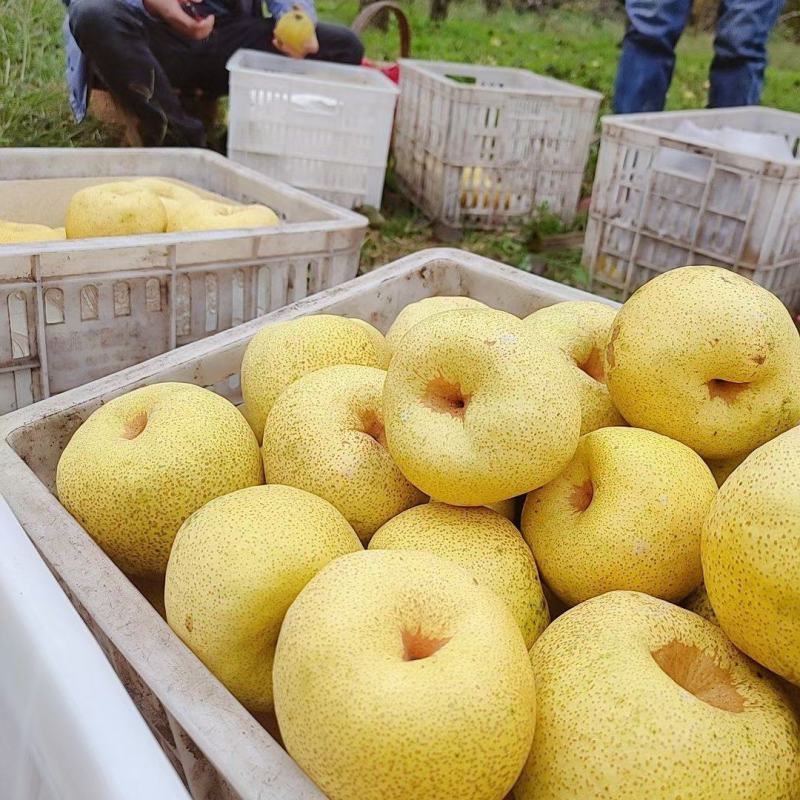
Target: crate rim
[340,218]
[18,418]
[424,66]
[637,123]
[328,71]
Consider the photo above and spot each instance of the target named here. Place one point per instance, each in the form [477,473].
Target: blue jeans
[648,52]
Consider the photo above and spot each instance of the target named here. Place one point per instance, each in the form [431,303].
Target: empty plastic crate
[484,146]
[223,752]
[322,127]
[662,200]
[72,311]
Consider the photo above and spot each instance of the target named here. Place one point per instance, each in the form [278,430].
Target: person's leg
[648,54]
[336,43]
[740,51]
[116,39]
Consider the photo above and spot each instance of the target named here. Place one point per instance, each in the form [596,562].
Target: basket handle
[368,14]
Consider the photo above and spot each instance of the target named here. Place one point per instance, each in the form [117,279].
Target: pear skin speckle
[580,329]
[336,448]
[482,541]
[707,357]
[143,462]
[236,566]
[612,722]
[626,513]
[280,354]
[397,675]
[751,555]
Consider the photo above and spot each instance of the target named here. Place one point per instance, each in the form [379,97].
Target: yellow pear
[638,698]
[236,566]
[397,676]
[482,541]
[751,555]
[280,354]
[210,215]
[698,602]
[295,31]
[722,468]
[476,410]
[422,309]
[119,208]
[167,189]
[626,513]
[325,434]
[580,330]
[16,232]
[506,508]
[172,195]
[707,357]
[143,462]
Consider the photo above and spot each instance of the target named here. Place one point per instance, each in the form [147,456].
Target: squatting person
[143,50]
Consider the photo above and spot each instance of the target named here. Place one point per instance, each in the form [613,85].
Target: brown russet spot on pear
[639,699]
[727,391]
[611,358]
[446,397]
[581,495]
[135,426]
[417,645]
[594,366]
[373,426]
[695,671]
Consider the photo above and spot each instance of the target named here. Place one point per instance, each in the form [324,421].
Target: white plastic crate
[68,729]
[484,146]
[662,200]
[223,751]
[319,126]
[72,311]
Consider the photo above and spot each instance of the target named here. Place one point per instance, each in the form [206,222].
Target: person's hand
[172,14]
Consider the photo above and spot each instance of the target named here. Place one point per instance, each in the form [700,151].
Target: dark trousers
[142,61]
[648,52]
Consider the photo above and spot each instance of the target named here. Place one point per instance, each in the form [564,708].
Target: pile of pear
[554,557]
[140,206]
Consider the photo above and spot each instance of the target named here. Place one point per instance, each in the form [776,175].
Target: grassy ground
[579,45]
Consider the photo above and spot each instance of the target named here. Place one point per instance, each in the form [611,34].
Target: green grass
[579,45]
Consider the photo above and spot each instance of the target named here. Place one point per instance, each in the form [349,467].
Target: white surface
[711,186]
[68,729]
[526,136]
[319,126]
